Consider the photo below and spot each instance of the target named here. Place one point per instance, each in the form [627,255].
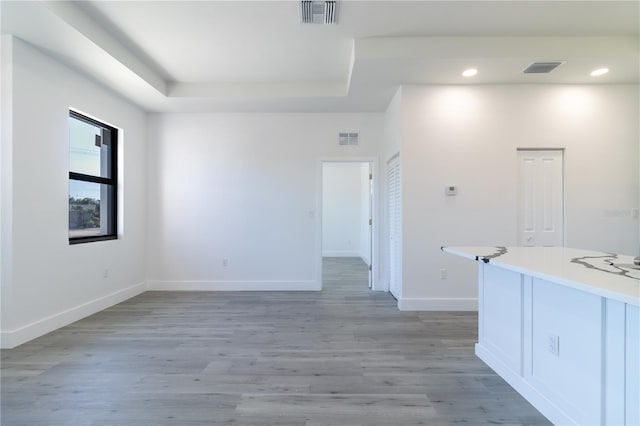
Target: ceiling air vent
[318,11]
[542,67]
[348,139]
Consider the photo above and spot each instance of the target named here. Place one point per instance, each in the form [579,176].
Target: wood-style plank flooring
[344,356]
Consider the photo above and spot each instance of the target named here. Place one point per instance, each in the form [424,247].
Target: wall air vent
[348,139]
[318,11]
[542,67]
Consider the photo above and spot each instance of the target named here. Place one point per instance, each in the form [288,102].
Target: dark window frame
[112,181]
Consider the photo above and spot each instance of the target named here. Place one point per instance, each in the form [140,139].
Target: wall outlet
[443,274]
[553,344]
[105,273]
[225,262]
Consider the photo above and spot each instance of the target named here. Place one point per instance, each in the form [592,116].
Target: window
[93,153]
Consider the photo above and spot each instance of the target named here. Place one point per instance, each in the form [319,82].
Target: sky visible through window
[79,190]
[84,158]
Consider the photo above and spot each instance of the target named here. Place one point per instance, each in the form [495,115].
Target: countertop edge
[598,290]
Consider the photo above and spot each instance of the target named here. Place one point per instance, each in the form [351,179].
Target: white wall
[6,118]
[345,210]
[46,283]
[393,126]
[468,136]
[243,187]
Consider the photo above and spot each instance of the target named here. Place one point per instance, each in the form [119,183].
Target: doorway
[347,221]
[540,197]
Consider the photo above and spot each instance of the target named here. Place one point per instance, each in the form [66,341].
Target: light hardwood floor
[343,356]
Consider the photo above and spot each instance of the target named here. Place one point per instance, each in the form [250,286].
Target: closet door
[395,226]
[540,198]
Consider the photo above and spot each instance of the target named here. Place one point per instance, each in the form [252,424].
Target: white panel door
[540,198]
[395,227]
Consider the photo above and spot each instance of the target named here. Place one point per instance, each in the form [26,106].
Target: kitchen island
[562,326]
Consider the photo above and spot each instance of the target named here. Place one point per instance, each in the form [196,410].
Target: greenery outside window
[93,153]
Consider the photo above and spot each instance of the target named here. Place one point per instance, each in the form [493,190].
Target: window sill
[81,240]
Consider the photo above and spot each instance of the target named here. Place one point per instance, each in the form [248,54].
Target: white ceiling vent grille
[542,67]
[318,11]
[348,139]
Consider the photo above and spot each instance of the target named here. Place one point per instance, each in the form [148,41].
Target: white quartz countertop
[604,274]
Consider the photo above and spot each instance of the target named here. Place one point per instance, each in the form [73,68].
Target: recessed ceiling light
[470,72]
[599,71]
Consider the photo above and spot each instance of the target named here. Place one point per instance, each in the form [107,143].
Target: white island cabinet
[562,327]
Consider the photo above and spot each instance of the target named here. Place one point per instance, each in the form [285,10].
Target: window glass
[93,148]
[89,148]
[88,209]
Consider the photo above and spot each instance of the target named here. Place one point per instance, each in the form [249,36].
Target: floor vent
[348,139]
[318,11]
[542,67]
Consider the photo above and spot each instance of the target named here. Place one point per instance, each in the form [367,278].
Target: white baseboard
[12,338]
[234,285]
[550,410]
[433,304]
[340,253]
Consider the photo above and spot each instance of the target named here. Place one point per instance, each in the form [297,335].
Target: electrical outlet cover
[554,345]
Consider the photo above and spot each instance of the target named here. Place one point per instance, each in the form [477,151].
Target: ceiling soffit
[376,65]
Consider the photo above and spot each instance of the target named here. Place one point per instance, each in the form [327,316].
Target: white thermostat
[451,190]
